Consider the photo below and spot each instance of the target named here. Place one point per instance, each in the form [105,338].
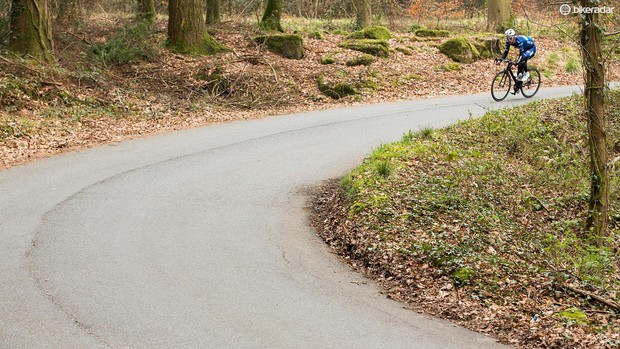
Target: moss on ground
[405,51]
[336,90]
[327,60]
[365,59]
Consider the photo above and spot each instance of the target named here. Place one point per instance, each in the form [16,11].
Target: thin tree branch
[608,302]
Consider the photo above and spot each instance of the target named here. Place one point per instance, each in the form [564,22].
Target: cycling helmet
[510,33]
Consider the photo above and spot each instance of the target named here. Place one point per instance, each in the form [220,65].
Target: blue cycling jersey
[522,42]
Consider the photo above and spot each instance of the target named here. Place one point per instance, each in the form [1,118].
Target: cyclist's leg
[527,55]
[522,64]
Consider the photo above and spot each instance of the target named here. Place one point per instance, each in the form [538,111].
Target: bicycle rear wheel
[500,87]
[531,86]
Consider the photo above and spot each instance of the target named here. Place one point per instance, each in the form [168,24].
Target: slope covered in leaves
[482,223]
[114,80]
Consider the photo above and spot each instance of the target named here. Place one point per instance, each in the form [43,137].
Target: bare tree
[30,29]
[499,15]
[69,13]
[187,31]
[213,11]
[594,96]
[271,18]
[146,10]
[362,10]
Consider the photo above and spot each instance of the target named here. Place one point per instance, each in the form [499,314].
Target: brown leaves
[152,97]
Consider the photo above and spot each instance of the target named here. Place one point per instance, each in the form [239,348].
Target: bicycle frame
[512,74]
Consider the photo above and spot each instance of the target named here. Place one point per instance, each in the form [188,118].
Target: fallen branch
[80,38]
[22,65]
[608,302]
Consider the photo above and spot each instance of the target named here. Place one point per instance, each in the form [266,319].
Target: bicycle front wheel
[531,86]
[500,87]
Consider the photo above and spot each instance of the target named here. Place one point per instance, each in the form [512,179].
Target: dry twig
[608,302]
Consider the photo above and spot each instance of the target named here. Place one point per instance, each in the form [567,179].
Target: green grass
[500,197]
[572,65]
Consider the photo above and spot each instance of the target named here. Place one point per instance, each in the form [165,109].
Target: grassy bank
[482,223]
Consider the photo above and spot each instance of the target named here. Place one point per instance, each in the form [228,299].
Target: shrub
[415,27]
[131,45]
[572,65]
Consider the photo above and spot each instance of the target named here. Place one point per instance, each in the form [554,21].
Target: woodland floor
[80,102]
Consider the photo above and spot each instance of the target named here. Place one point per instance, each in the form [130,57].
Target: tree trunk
[499,15]
[363,18]
[594,96]
[69,13]
[271,18]
[187,31]
[213,12]
[30,29]
[146,10]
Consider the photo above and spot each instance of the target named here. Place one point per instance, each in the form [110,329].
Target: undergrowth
[497,205]
[132,44]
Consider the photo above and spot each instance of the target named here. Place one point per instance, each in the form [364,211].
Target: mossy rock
[328,60]
[316,35]
[488,46]
[375,32]
[405,51]
[459,49]
[425,33]
[365,59]
[288,45]
[337,90]
[375,47]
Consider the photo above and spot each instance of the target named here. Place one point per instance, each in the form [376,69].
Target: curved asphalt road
[198,239]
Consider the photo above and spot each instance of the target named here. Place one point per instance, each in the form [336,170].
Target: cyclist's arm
[506,50]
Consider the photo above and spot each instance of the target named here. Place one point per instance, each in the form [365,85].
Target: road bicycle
[504,80]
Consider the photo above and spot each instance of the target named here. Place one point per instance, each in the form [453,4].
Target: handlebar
[504,60]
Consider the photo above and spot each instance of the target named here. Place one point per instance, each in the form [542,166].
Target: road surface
[199,239]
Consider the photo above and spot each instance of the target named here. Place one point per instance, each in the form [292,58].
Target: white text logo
[567,9]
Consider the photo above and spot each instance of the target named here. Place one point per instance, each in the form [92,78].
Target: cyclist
[527,50]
